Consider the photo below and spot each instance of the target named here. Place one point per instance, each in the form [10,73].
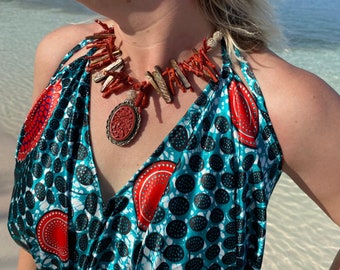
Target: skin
[303,108]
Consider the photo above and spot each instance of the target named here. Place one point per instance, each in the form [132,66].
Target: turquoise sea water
[299,235]
[312,28]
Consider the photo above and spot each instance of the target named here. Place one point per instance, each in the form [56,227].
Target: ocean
[299,235]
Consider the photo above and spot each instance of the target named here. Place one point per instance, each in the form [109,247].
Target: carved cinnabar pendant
[149,188]
[123,123]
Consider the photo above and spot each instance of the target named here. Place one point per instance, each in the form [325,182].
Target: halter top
[198,202]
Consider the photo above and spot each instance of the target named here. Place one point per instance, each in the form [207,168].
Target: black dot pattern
[208,143]
[194,244]
[179,206]
[176,229]
[185,183]
[154,241]
[178,138]
[210,214]
[221,124]
[174,253]
[208,181]
[196,263]
[196,163]
[202,201]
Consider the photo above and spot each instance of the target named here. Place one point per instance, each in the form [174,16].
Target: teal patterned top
[199,201]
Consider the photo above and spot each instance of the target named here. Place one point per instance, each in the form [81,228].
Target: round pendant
[123,123]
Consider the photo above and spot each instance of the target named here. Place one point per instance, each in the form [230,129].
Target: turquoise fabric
[199,202]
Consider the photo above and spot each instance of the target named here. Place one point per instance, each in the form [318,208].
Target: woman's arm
[311,143]
[336,263]
[25,261]
[305,112]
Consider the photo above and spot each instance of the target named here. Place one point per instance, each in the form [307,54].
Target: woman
[199,183]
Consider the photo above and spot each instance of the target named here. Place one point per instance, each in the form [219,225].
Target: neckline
[83,58]
[207,90]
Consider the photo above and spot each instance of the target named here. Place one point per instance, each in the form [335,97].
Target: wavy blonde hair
[249,25]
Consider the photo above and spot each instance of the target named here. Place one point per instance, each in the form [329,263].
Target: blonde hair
[248,25]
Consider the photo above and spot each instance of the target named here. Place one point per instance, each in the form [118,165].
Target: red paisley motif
[244,113]
[149,188]
[37,119]
[52,234]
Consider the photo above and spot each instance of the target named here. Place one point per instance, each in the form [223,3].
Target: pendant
[123,123]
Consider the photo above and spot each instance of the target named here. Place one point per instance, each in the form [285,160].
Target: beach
[299,235]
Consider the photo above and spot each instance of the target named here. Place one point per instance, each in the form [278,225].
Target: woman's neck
[169,30]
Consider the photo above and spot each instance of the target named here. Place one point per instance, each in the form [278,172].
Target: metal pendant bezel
[136,126]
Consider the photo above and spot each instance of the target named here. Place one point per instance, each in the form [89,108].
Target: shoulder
[305,112]
[298,100]
[52,49]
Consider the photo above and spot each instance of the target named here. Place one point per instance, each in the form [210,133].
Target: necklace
[107,67]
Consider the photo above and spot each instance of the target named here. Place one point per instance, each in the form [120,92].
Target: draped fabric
[199,202]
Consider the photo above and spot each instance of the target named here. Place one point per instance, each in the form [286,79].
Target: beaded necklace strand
[107,67]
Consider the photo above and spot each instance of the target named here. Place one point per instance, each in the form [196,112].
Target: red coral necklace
[107,67]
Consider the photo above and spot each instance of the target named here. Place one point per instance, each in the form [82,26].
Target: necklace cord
[107,67]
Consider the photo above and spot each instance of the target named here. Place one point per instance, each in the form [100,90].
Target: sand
[8,249]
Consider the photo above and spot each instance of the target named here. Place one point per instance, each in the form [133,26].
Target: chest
[117,164]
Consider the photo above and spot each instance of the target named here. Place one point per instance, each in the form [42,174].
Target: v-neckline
[129,182]
[207,91]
